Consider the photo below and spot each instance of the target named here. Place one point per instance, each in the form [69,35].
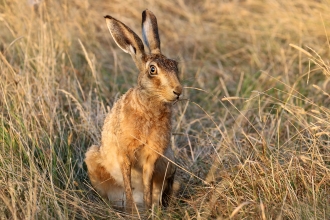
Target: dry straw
[254,121]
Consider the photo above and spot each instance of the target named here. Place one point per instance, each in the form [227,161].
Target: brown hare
[132,164]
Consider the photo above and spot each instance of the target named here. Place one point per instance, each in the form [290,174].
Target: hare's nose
[178,90]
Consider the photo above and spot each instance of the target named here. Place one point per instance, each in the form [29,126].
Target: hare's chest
[150,139]
[145,125]
[152,131]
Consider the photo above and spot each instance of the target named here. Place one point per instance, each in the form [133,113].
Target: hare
[133,162]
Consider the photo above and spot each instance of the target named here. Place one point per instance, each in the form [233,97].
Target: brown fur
[129,164]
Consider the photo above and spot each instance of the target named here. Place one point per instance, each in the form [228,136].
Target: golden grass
[251,136]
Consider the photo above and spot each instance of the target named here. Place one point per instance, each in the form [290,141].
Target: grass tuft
[251,134]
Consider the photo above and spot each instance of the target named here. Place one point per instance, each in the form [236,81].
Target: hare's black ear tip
[146,11]
[108,17]
[144,15]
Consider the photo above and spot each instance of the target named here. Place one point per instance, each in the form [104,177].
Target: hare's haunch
[132,164]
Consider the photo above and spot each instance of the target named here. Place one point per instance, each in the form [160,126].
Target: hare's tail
[100,178]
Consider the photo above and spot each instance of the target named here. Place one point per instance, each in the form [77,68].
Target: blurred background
[251,134]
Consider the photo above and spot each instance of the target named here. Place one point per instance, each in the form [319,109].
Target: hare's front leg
[148,169]
[126,172]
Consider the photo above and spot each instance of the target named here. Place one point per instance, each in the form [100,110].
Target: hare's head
[158,76]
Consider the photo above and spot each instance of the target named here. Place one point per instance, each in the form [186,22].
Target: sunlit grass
[251,135]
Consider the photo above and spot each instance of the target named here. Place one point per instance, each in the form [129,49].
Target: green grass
[251,135]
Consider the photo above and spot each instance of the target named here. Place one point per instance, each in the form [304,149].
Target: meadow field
[251,134]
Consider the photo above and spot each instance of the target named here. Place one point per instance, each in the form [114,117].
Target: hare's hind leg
[101,179]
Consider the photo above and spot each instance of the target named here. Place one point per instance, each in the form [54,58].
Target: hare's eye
[152,70]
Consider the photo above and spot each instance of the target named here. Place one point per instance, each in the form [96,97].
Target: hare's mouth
[169,97]
[173,100]
[169,100]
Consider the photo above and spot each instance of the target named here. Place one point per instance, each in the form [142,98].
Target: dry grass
[251,140]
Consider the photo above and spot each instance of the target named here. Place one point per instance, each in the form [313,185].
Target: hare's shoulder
[117,107]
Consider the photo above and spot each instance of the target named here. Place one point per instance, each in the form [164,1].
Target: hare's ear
[126,39]
[150,31]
